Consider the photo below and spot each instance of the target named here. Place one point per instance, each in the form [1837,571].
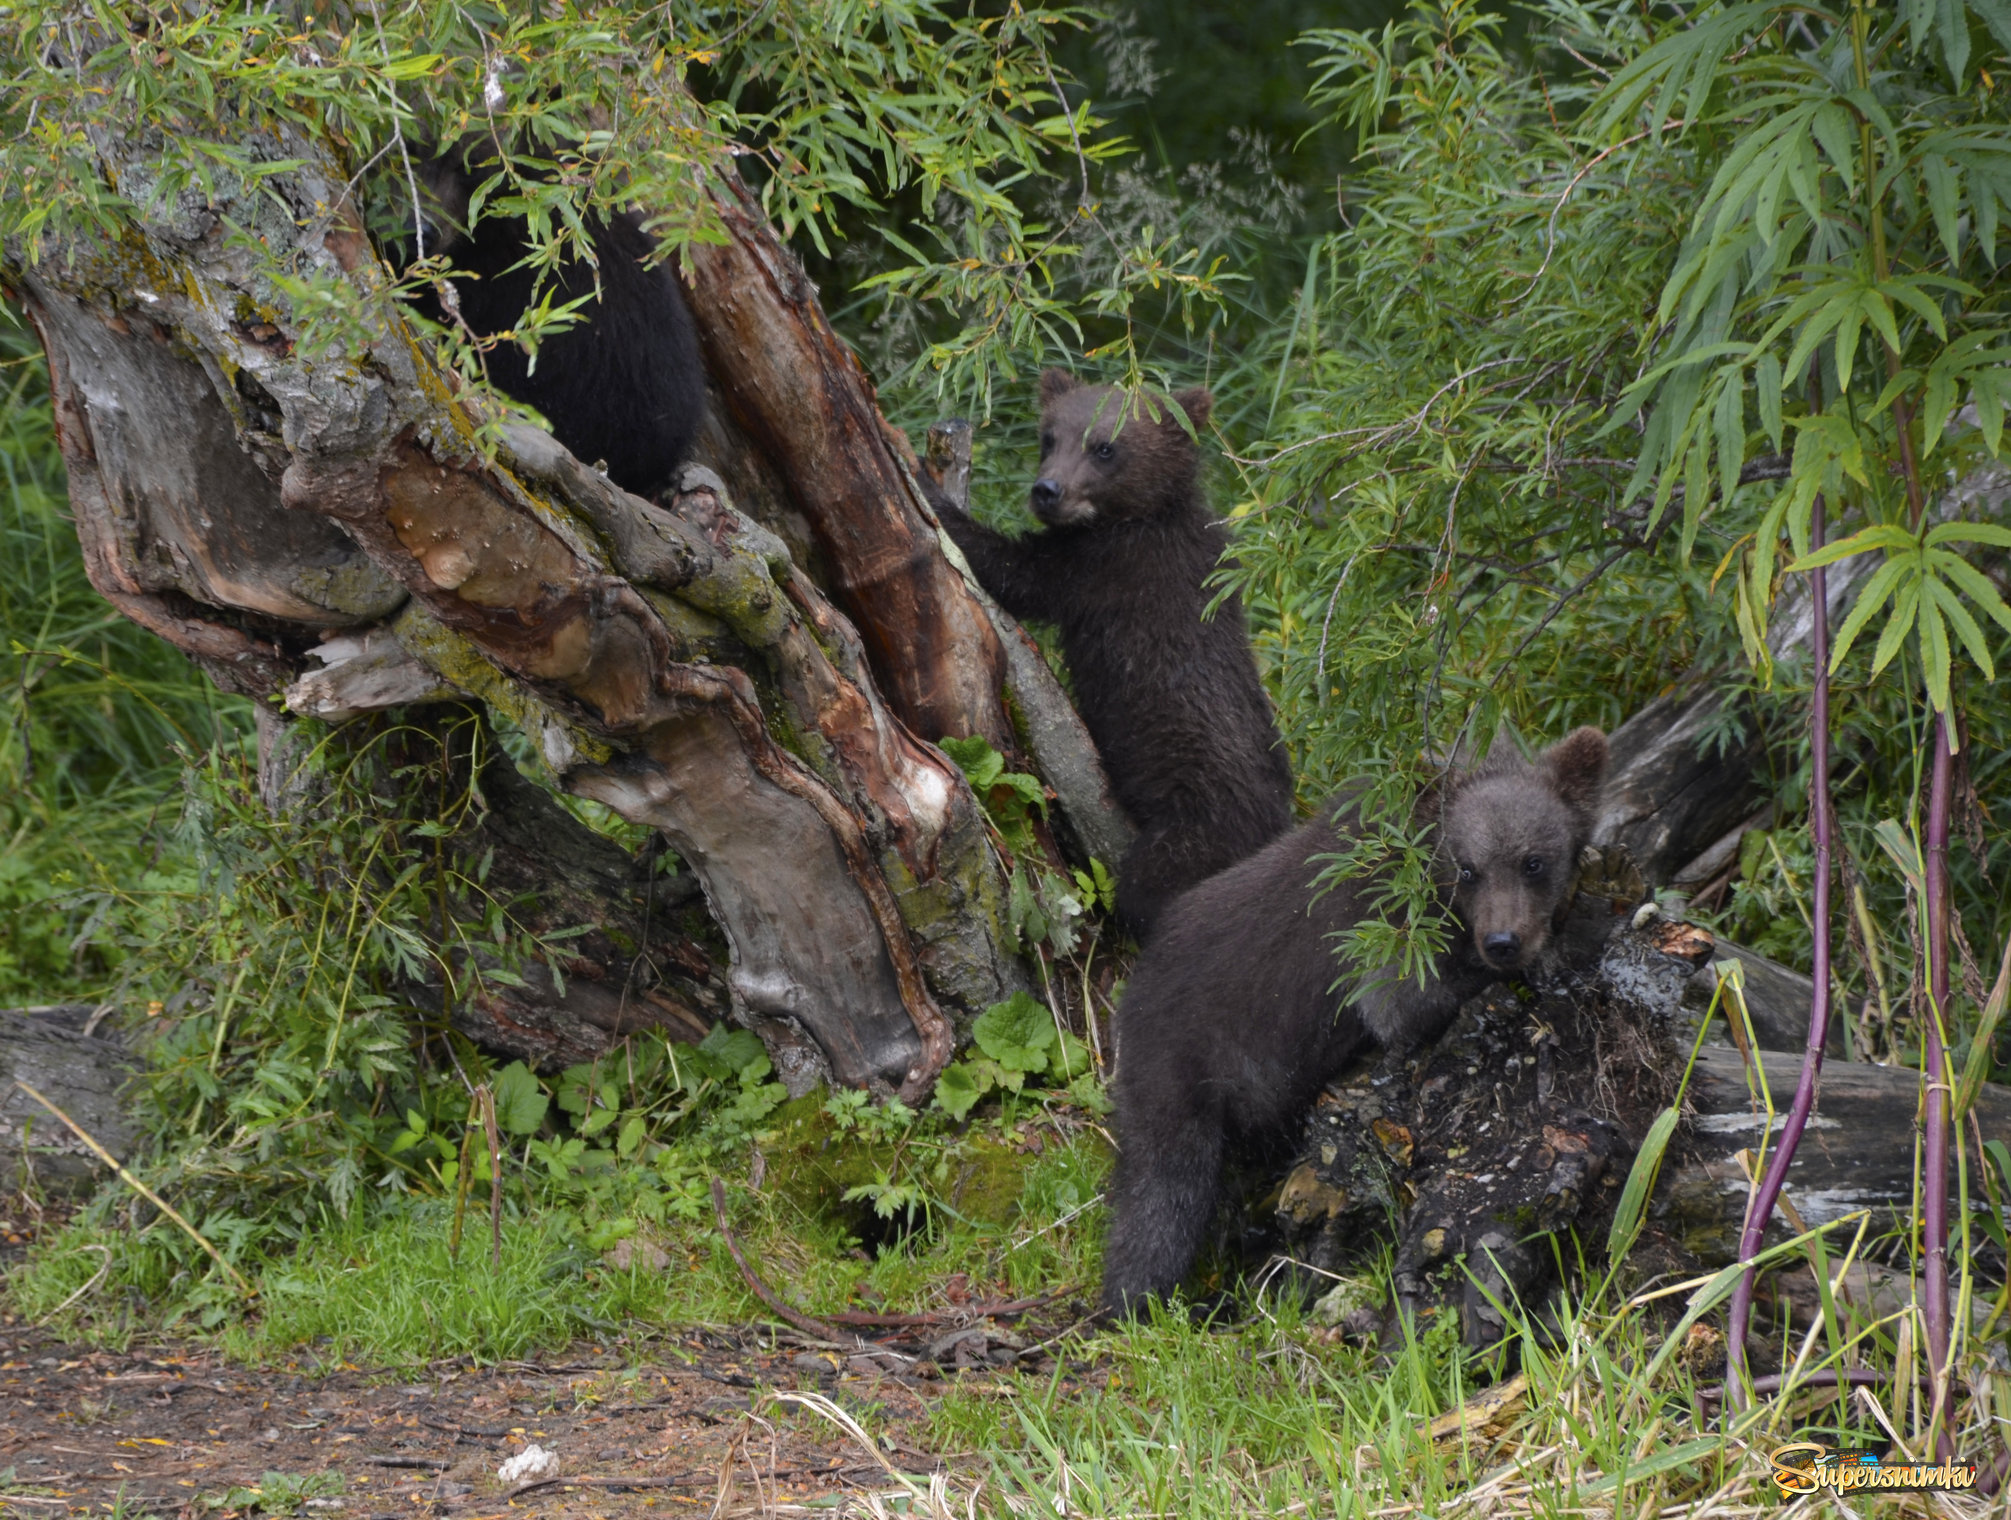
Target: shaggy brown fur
[625,386]
[1171,699]
[1232,1024]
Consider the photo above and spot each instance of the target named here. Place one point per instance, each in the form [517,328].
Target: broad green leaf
[739,1050]
[1016,1033]
[520,1104]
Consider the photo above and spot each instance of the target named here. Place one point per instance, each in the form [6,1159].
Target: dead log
[805,439]
[1776,998]
[1500,1150]
[1857,1153]
[629,948]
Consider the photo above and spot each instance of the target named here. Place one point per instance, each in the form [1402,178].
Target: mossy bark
[285,487]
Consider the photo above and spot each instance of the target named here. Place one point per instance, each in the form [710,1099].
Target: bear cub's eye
[1046,444]
[1106,450]
[1533,866]
[1465,875]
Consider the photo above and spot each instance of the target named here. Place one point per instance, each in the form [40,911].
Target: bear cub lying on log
[624,386]
[1171,701]
[1231,1024]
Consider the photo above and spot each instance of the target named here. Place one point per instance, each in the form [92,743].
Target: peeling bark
[271,506]
[801,397]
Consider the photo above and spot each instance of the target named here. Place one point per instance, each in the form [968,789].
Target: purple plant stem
[1934,1181]
[1762,1206]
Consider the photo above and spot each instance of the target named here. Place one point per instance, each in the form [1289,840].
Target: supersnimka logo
[1803,1467]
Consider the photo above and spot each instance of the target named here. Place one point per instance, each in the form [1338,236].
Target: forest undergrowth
[1440,532]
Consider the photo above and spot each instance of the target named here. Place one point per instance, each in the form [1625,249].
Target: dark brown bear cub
[625,386]
[1172,701]
[1231,1026]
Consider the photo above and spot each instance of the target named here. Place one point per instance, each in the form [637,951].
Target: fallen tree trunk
[627,947]
[1856,1155]
[65,1053]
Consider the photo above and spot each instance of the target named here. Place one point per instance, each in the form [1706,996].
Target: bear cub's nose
[1502,948]
[1046,493]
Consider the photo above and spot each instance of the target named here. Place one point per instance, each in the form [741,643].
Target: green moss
[815,1162]
[456,660]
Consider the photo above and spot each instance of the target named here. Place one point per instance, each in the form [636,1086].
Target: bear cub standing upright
[1230,1028]
[1171,700]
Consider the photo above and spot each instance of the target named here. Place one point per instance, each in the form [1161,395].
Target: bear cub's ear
[1197,404]
[1054,384]
[1577,766]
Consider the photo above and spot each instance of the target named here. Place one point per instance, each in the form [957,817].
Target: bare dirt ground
[677,1426]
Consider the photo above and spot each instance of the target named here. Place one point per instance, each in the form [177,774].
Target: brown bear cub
[1171,700]
[1232,1024]
[625,386]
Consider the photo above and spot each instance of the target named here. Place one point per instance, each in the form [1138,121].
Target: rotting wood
[798,393]
[1518,1127]
[607,628]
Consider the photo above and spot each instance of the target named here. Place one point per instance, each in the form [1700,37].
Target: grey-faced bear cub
[1172,701]
[1230,1026]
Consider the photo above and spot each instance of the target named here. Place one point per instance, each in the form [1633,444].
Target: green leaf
[1981,589]
[1954,20]
[1885,536]
[1950,607]
[1874,596]
[1628,1213]
[737,1049]
[1943,181]
[980,763]
[630,1139]
[958,1090]
[1729,421]
[1016,1033]
[520,1102]
[1905,613]
[1832,126]
[1936,663]
[1767,395]
[1969,533]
